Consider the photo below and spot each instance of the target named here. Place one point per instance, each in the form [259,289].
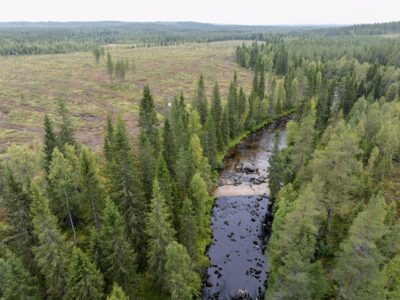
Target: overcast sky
[212,11]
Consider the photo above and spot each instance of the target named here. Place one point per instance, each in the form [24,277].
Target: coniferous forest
[133,221]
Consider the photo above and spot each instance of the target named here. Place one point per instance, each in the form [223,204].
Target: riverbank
[240,217]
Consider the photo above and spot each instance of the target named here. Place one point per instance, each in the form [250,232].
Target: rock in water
[241,294]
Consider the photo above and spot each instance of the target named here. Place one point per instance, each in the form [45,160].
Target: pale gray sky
[211,11]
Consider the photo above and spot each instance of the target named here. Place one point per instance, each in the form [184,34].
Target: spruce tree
[66,130]
[209,141]
[216,111]
[201,206]
[161,233]
[168,188]
[232,105]
[188,229]
[110,65]
[225,127]
[51,252]
[117,294]
[16,207]
[15,280]
[170,150]
[261,83]
[280,96]
[201,103]
[108,142]
[148,121]
[148,163]
[84,282]
[126,188]
[112,252]
[275,168]
[183,282]
[92,194]
[49,143]
[63,190]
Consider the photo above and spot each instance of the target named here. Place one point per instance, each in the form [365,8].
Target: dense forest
[133,222]
[27,38]
[79,225]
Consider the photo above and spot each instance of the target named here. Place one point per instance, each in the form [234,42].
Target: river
[240,220]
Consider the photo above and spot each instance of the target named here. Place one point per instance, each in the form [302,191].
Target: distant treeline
[25,38]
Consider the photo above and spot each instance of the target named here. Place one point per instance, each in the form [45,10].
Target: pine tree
[84,282]
[49,143]
[275,168]
[183,282]
[112,252]
[51,252]
[110,65]
[160,232]
[339,184]
[92,190]
[357,267]
[117,294]
[66,131]
[15,280]
[201,103]
[294,273]
[126,187]
[16,207]
[391,278]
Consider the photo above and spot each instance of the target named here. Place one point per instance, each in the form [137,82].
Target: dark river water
[240,220]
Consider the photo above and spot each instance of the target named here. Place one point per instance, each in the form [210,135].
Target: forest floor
[30,86]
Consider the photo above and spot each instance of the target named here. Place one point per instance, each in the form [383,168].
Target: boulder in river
[241,294]
[249,168]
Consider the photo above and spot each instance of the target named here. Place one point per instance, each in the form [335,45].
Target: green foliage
[126,187]
[201,103]
[63,185]
[117,294]
[183,282]
[112,251]
[51,255]
[84,280]
[357,268]
[16,204]
[66,131]
[92,194]
[275,168]
[15,280]
[161,233]
[49,143]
